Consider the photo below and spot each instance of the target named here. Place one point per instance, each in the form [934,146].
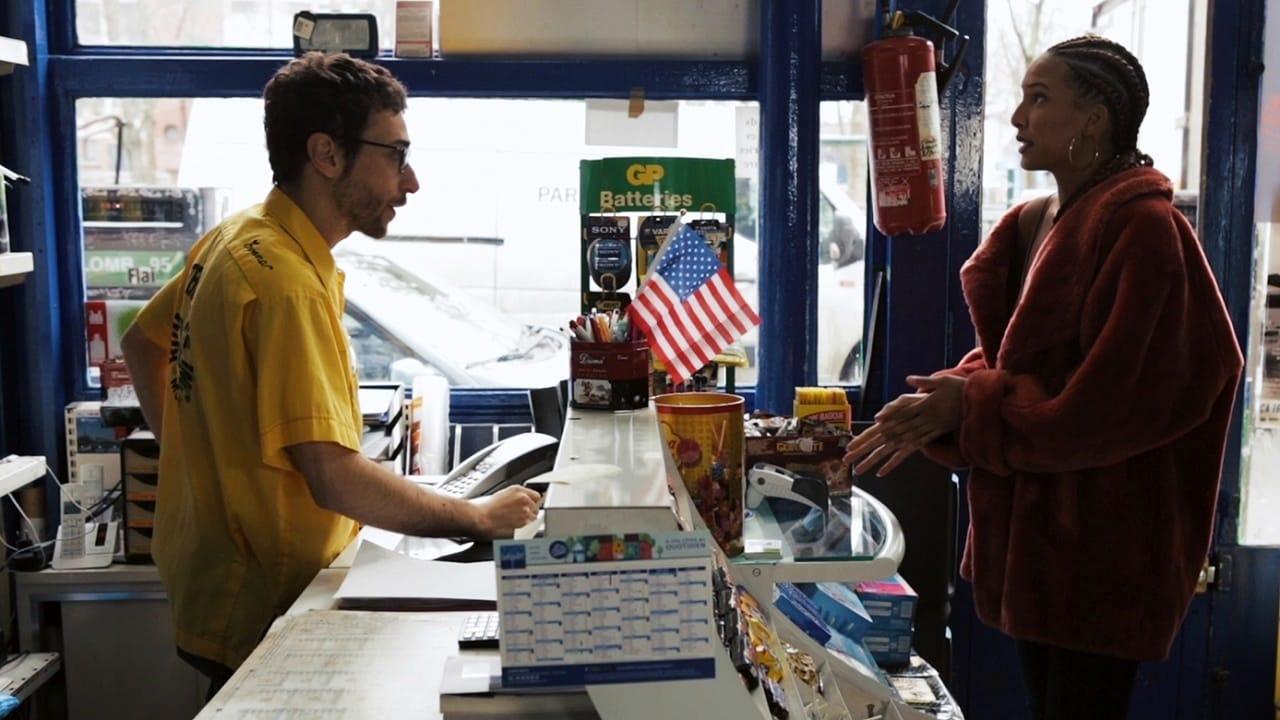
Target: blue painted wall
[33,343]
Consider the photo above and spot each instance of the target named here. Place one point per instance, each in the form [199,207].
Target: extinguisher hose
[950,14]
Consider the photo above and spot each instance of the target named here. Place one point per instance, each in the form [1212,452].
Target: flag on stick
[689,307]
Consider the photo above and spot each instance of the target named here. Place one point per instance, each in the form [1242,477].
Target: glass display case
[854,538]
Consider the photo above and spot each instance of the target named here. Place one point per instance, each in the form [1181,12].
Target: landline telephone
[81,542]
[506,462]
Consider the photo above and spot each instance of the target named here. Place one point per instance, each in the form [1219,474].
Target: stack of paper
[382,579]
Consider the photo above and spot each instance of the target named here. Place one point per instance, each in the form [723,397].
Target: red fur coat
[1095,418]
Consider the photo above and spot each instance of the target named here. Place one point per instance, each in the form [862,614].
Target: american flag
[689,308]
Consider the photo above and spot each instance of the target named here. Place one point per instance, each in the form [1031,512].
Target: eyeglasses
[402,151]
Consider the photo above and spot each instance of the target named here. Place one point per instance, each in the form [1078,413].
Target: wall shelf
[18,471]
[12,52]
[14,267]
[27,673]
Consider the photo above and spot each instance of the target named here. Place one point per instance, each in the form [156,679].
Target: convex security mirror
[353,33]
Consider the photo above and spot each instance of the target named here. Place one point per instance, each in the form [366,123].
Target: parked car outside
[403,324]
[841,272]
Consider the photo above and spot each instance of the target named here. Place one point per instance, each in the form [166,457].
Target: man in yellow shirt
[243,368]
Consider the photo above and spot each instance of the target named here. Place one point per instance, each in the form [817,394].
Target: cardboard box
[105,324]
[890,648]
[92,443]
[814,456]
[890,602]
[800,608]
[839,607]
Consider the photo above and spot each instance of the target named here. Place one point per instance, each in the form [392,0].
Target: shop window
[1167,36]
[842,227]
[478,271]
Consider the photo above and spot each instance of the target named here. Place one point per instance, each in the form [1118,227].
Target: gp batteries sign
[643,184]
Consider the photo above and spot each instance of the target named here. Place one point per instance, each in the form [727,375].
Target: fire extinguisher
[902,81]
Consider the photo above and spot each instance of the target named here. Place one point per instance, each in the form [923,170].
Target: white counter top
[628,440]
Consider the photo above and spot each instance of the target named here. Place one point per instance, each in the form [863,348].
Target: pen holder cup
[609,376]
[703,432]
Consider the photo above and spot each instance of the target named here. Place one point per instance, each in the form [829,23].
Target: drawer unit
[140,466]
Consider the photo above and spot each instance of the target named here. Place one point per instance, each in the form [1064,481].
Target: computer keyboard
[479,630]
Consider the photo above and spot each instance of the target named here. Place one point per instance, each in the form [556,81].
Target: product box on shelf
[792,602]
[93,446]
[609,376]
[890,602]
[819,404]
[890,648]
[105,324]
[839,607]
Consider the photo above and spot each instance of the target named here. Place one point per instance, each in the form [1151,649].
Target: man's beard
[360,208]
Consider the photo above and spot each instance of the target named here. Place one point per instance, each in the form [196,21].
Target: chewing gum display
[829,405]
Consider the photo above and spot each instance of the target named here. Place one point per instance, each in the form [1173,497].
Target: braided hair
[1104,71]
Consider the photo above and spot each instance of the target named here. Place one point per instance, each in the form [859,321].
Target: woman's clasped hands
[908,423]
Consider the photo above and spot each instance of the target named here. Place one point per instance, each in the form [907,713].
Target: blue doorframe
[790,56]
[1241,663]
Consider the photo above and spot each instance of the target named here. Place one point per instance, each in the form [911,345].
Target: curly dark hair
[1105,71]
[332,93]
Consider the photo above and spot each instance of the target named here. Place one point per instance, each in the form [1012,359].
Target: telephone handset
[506,462]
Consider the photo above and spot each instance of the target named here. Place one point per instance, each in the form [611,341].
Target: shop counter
[634,492]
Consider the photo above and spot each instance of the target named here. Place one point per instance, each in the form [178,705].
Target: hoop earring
[1071,154]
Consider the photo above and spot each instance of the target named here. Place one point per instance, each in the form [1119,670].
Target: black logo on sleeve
[252,247]
[181,371]
[196,271]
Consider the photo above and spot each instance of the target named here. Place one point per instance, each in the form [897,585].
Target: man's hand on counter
[500,514]
[345,482]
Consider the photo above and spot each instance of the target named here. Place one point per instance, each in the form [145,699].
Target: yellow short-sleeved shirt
[259,360]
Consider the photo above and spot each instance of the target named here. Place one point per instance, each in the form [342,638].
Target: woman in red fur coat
[1093,414]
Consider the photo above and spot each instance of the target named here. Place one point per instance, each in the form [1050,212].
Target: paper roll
[430,430]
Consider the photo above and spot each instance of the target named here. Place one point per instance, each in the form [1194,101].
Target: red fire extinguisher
[900,74]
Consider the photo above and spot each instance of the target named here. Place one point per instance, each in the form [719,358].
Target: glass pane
[842,225]
[1167,36]
[212,23]
[478,271]
[849,528]
[1260,467]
